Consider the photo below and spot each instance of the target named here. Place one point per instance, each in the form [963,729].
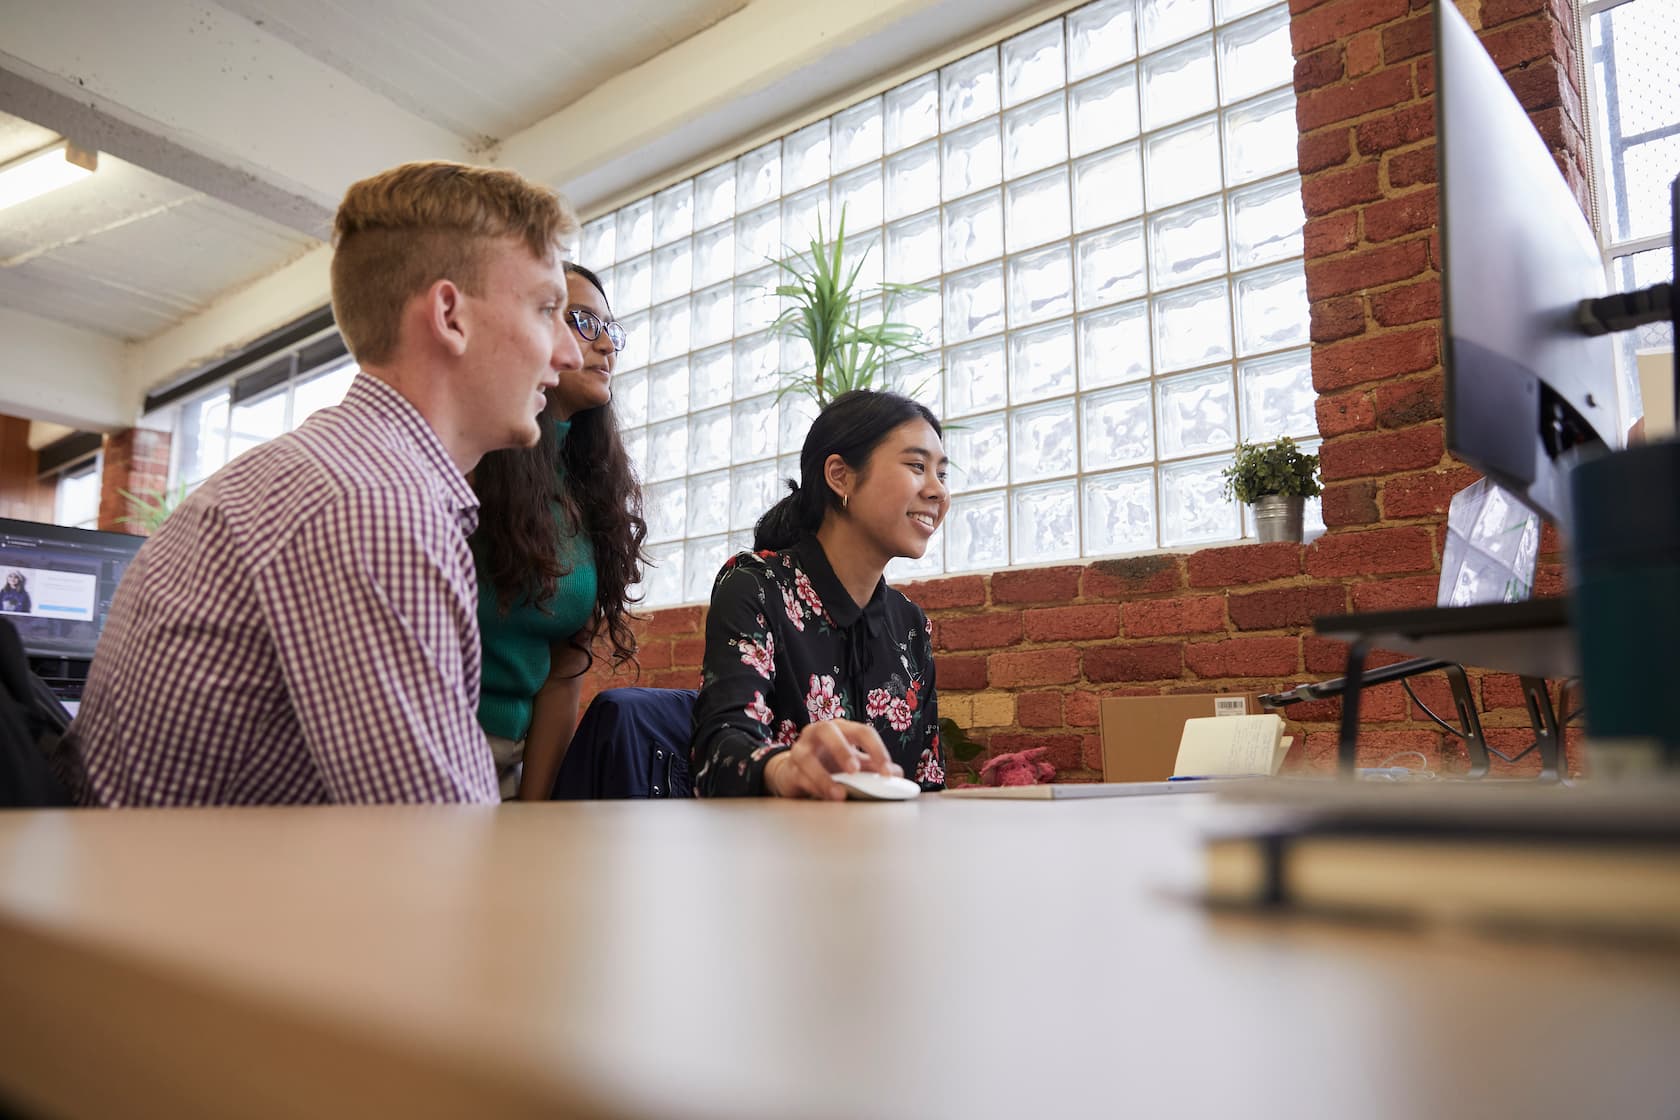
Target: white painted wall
[49,371]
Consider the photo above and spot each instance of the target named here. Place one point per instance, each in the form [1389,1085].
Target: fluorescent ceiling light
[57,165]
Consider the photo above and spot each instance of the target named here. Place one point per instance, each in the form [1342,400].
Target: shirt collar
[371,395]
[842,611]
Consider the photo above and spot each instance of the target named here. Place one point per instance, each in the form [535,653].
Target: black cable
[1443,724]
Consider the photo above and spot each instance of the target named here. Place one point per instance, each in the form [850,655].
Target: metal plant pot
[1277,517]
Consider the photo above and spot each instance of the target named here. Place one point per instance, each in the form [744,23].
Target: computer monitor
[56,586]
[1528,393]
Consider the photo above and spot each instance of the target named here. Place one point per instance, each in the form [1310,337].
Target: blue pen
[1215,777]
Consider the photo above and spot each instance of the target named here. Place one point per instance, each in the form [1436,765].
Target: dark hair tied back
[852,426]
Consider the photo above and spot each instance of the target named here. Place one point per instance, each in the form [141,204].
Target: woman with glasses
[559,541]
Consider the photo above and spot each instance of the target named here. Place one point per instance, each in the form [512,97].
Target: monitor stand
[1532,639]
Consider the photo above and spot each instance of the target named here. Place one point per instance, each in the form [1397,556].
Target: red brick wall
[1024,656]
[136,460]
[22,495]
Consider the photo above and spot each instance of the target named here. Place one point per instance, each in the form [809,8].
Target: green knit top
[516,644]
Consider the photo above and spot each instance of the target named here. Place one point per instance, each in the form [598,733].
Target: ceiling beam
[209,99]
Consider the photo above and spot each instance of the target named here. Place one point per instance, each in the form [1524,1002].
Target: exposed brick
[1405,125]
[1154,618]
[1396,217]
[1496,12]
[1036,585]
[1407,39]
[1345,412]
[1244,563]
[1395,594]
[1340,19]
[1501,690]
[1073,624]
[1542,84]
[988,630]
[676,620]
[1423,74]
[1330,320]
[1424,495]
[1381,453]
[1286,606]
[1409,169]
[1366,268]
[992,709]
[1560,133]
[1134,663]
[1137,575]
[1064,752]
[1320,150]
[1374,358]
[1434,692]
[1244,657]
[1039,709]
[941,594]
[1330,233]
[654,655]
[1080,708]
[1329,191]
[1033,667]
[1372,552]
[1353,99]
[959,672]
[1323,655]
[688,653]
[1549,581]
[1350,503]
[1319,68]
[1550,542]
[1408,303]
[673,678]
[1522,43]
[1401,404]
[1364,52]
[1092,752]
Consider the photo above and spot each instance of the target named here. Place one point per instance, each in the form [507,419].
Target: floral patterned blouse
[786,645]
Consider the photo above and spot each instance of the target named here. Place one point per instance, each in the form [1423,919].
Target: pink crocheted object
[1023,768]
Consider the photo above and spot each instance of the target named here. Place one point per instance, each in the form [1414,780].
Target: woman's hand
[830,746]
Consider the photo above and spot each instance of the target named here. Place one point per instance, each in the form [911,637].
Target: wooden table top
[744,959]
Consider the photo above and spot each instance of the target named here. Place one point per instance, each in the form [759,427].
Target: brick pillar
[136,460]
[1365,81]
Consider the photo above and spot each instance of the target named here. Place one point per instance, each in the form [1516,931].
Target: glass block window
[1635,105]
[1105,213]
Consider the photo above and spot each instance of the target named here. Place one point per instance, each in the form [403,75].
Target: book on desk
[1517,856]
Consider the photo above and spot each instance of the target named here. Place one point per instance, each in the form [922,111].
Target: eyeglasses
[589,325]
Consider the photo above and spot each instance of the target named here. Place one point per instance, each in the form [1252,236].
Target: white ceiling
[227,130]
[487,70]
[126,253]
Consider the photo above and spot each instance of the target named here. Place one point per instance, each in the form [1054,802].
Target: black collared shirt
[785,646]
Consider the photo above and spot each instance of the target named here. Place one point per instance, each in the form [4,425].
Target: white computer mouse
[867,785]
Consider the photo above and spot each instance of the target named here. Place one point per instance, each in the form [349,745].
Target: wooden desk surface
[938,958]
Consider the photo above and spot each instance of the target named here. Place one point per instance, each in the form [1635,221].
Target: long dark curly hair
[517,542]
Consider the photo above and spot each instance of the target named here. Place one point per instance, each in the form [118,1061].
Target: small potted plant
[1275,478]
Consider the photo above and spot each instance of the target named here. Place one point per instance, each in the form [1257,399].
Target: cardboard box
[1140,734]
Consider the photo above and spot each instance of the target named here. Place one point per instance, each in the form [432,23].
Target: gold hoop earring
[844,498]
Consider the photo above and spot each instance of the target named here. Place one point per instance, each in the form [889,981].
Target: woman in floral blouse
[813,664]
